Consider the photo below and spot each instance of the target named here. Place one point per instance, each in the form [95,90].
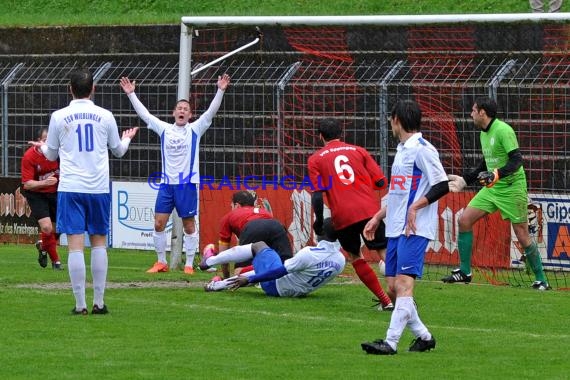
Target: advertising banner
[549,226]
[16,223]
[132,216]
[132,211]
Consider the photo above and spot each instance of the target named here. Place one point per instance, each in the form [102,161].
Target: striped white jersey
[179,144]
[81,134]
[311,268]
[415,170]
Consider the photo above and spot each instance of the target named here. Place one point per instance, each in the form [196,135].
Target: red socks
[49,244]
[369,278]
[243,270]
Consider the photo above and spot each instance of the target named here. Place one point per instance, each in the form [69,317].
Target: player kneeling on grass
[305,272]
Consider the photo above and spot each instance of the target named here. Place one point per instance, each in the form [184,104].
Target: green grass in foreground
[165,326]
[111,12]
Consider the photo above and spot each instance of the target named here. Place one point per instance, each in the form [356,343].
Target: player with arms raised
[180,174]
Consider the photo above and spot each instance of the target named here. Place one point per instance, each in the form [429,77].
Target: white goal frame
[189,23]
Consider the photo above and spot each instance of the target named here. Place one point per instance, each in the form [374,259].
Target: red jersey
[37,168]
[234,221]
[347,174]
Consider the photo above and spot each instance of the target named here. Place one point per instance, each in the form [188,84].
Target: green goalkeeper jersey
[496,143]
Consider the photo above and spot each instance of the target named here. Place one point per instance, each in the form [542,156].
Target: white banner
[549,226]
[132,216]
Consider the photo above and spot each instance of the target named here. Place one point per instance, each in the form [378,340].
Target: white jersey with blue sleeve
[81,134]
[179,144]
[415,170]
[311,268]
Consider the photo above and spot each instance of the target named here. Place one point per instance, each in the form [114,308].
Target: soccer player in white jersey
[308,270]
[80,135]
[180,174]
[417,181]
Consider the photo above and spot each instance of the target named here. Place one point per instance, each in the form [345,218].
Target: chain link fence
[266,125]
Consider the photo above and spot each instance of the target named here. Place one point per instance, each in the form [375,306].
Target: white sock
[417,326]
[190,245]
[400,317]
[160,245]
[236,254]
[76,269]
[99,266]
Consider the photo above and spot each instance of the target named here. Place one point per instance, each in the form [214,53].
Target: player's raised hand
[223,82]
[130,133]
[127,86]
[36,144]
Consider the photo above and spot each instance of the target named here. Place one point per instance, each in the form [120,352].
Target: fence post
[4,94]
[280,89]
[384,112]
[176,241]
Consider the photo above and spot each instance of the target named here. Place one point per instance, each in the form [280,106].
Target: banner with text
[549,226]
[16,223]
[132,216]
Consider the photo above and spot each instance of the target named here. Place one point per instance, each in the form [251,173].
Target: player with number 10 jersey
[82,133]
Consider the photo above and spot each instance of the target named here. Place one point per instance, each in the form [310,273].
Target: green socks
[465,246]
[533,258]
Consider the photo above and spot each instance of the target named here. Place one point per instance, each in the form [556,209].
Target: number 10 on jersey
[85,137]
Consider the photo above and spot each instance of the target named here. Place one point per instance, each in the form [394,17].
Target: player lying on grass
[305,272]
[251,224]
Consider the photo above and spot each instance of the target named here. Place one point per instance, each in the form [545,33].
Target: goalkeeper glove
[456,183]
[488,179]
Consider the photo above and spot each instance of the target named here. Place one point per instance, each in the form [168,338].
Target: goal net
[354,69]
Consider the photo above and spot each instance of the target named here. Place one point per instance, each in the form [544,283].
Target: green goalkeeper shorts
[511,200]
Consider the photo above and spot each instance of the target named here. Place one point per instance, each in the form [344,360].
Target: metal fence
[266,125]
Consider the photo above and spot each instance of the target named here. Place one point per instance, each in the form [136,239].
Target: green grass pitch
[165,326]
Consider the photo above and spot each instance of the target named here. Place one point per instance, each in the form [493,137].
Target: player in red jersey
[251,224]
[39,180]
[348,175]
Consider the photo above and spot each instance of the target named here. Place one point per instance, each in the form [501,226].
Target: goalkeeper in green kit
[504,188]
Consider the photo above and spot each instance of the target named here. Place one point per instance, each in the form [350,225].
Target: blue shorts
[80,212]
[405,255]
[183,196]
[264,261]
